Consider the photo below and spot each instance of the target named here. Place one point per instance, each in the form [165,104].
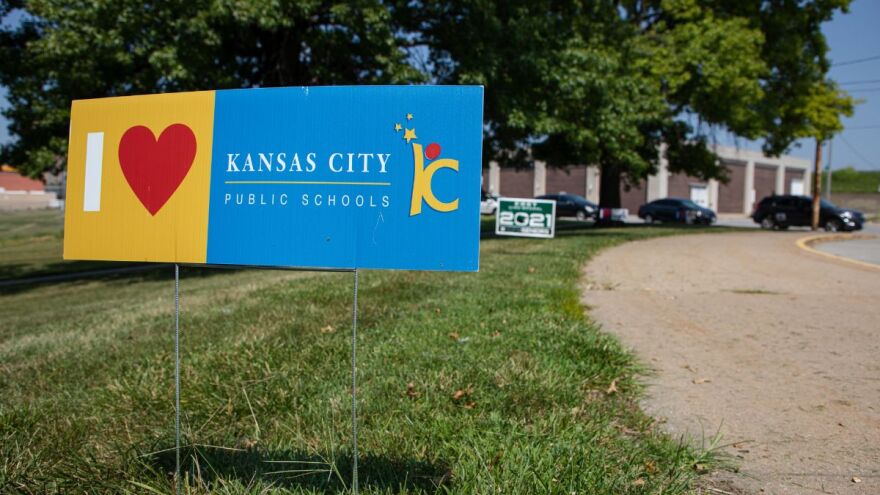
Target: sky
[851,38]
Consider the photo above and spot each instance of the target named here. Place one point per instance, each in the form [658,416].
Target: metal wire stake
[177,377]
[354,430]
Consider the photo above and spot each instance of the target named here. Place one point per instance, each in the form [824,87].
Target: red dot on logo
[432,151]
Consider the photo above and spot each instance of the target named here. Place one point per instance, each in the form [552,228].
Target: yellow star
[409,134]
[397,127]
[409,116]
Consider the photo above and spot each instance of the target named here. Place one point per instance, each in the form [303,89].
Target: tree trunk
[609,186]
[817,177]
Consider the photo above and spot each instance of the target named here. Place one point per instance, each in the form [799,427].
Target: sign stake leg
[354,431]
[177,377]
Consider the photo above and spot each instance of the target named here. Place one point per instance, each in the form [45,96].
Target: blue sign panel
[347,177]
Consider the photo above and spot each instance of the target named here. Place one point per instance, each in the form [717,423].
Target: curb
[806,243]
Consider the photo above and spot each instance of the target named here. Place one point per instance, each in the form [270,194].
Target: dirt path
[777,348]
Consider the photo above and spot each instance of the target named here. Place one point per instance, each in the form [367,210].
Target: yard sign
[524,217]
[321,177]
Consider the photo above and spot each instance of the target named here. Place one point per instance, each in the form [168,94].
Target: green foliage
[800,101]
[509,382]
[71,50]
[606,82]
[566,81]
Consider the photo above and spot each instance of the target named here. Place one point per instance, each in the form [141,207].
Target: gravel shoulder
[775,348]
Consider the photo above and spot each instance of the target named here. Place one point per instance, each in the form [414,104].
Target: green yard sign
[525,217]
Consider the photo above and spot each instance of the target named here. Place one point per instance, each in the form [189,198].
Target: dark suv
[782,212]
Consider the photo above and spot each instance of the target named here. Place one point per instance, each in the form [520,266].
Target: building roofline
[759,158]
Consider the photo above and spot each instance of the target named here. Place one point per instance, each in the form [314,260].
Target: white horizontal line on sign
[308,182]
[94,162]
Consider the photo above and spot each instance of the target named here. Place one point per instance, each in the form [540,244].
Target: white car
[612,216]
[488,204]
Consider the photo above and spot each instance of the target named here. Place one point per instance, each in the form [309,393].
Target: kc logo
[422,180]
[422,176]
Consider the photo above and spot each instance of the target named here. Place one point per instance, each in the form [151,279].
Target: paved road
[867,250]
[775,347]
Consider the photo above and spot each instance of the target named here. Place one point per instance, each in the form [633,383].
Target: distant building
[752,177]
[18,192]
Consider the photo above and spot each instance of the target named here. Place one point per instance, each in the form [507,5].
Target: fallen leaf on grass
[470,405]
[531,269]
[328,329]
[246,443]
[700,381]
[453,335]
[496,334]
[411,390]
[495,460]
[612,388]
[651,467]
[639,482]
[462,393]
[700,468]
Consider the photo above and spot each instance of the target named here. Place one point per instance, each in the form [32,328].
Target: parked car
[676,210]
[572,205]
[488,203]
[784,211]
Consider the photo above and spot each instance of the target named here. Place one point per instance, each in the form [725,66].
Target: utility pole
[828,171]
[817,184]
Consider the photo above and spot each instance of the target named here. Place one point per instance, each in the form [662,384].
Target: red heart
[154,168]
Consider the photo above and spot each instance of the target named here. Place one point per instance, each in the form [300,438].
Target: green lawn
[30,246]
[492,382]
[849,180]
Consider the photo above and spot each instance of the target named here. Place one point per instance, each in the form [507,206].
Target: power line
[856,61]
[863,90]
[854,150]
[862,127]
[863,81]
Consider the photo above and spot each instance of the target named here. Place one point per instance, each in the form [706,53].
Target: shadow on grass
[12,271]
[207,466]
[109,271]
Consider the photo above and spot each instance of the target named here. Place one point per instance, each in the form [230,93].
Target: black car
[782,212]
[572,205]
[676,210]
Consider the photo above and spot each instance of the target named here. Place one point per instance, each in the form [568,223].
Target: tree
[607,81]
[567,81]
[65,50]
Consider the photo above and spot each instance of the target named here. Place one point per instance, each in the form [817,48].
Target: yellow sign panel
[114,155]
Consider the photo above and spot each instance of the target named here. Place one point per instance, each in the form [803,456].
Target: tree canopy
[607,81]
[65,50]
[600,81]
